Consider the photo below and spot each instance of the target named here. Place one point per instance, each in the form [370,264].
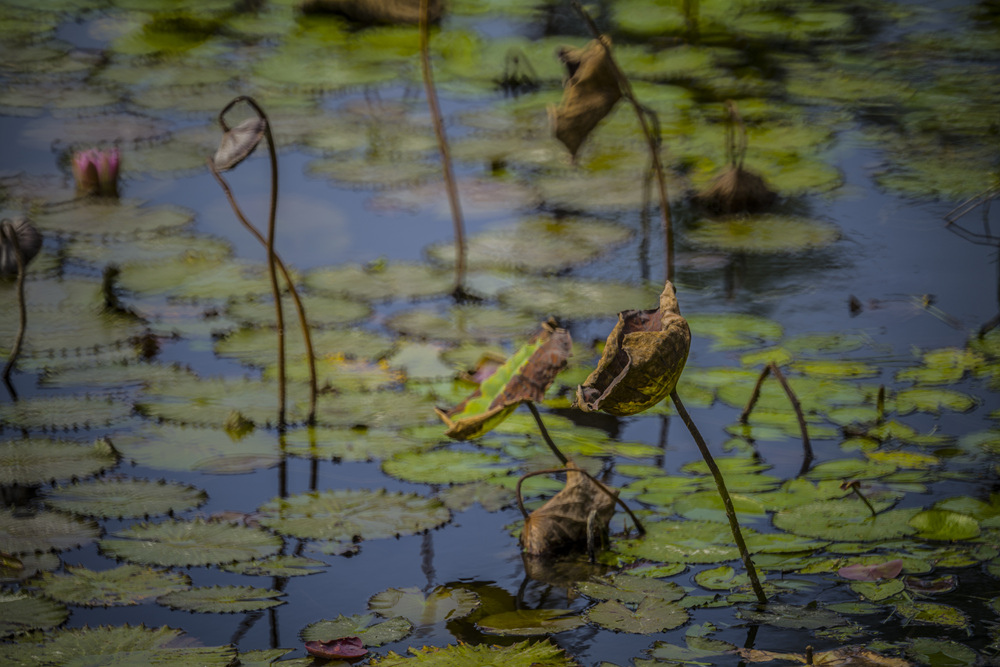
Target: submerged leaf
[441,604]
[642,360]
[527,622]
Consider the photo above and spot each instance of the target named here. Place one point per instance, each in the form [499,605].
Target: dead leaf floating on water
[591,91]
[524,377]
[581,510]
[642,360]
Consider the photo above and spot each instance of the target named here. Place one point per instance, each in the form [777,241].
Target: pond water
[871,122]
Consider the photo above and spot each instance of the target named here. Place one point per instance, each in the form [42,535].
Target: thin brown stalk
[772,368]
[449,175]
[727,501]
[545,434]
[299,307]
[600,485]
[653,141]
[7,230]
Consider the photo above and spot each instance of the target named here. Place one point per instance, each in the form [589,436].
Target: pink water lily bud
[96,172]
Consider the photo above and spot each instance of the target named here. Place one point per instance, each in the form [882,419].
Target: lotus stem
[299,307]
[545,434]
[600,485]
[449,176]
[727,501]
[793,399]
[7,230]
[855,487]
[880,405]
[645,116]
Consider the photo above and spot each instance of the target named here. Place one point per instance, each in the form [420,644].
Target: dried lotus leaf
[590,93]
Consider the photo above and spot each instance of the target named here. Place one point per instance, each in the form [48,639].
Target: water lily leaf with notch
[209,401]
[930,651]
[124,585]
[877,591]
[848,655]
[137,645]
[124,498]
[525,376]
[199,278]
[683,542]
[381,282]
[256,347]
[933,613]
[347,515]
[21,612]
[525,654]
[939,524]
[764,234]
[649,615]
[708,506]
[539,244]
[441,604]
[189,543]
[189,448]
[846,519]
[69,336]
[445,467]
[986,513]
[529,622]
[117,219]
[280,565]
[850,469]
[734,331]
[933,400]
[942,366]
[221,599]
[630,589]
[360,626]
[40,460]
[349,444]
[25,532]
[572,298]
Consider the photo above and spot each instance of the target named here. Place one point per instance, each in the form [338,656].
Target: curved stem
[720,484]
[7,230]
[545,434]
[653,141]
[772,368]
[299,307]
[449,176]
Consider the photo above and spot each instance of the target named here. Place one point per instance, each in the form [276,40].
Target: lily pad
[530,622]
[25,532]
[280,565]
[462,323]
[124,585]
[782,615]
[382,281]
[221,599]
[124,498]
[933,613]
[360,626]
[445,467]
[525,654]
[189,448]
[347,444]
[125,218]
[40,460]
[257,347]
[938,524]
[770,234]
[347,515]
[189,543]
[64,412]
[649,616]
[441,604]
[683,542]
[575,299]
[631,589]
[845,519]
[321,311]
[21,612]
[734,331]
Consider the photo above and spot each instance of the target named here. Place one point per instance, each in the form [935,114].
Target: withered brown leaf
[590,92]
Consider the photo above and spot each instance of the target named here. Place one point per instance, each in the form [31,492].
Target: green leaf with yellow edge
[933,613]
[877,591]
[938,524]
[523,377]
[525,654]
[901,459]
[922,399]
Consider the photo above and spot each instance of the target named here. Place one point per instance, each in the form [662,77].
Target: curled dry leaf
[580,510]
[346,648]
[524,377]
[642,360]
[238,143]
[888,570]
[590,92]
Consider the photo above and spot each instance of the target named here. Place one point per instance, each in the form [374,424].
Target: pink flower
[96,172]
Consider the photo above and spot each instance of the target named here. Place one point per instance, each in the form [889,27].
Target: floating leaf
[524,377]
[382,282]
[933,400]
[848,655]
[39,460]
[346,647]
[24,532]
[630,589]
[733,331]
[348,444]
[189,543]
[938,524]
[878,591]
[683,542]
[221,599]
[642,360]
[441,604]
[764,234]
[64,412]
[887,570]
[933,613]
[125,218]
[122,585]
[280,565]
[360,626]
[846,519]
[188,448]
[445,466]
[572,298]
[649,616]
[529,622]
[124,498]
[931,651]
[21,612]
[792,616]
[348,515]
[525,654]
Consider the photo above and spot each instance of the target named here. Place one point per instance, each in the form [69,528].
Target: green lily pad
[21,612]
[938,524]
[39,460]
[845,519]
[360,626]
[348,444]
[347,515]
[734,331]
[536,245]
[110,644]
[575,299]
[280,565]
[944,652]
[783,615]
[630,589]
[530,622]
[722,578]
[445,467]
[525,654]
[64,412]
[683,542]
[124,498]
[209,402]
[933,400]
[766,234]
[441,604]
[877,591]
[124,585]
[125,218]
[381,282]
[847,469]
[462,323]
[257,347]
[933,613]
[649,615]
[189,448]
[25,532]
[189,543]
[321,311]
[221,599]
[708,506]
